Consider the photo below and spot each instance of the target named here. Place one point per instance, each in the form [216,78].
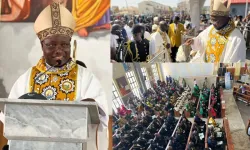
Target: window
[155,72]
[117,102]
[146,78]
[133,83]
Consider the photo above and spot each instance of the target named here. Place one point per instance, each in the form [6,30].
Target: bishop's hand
[189,42]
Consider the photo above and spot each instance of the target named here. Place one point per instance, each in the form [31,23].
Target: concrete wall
[20,49]
[200,80]
[186,69]
[153,7]
[238,9]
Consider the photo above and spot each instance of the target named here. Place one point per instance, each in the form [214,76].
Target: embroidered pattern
[52,31]
[56,25]
[42,67]
[41,80]
[53,85]
[219,13]
[49,92]
[67,86]
[64,74]
[217,42]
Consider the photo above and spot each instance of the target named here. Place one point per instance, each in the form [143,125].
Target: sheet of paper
[201,135]
[220,143]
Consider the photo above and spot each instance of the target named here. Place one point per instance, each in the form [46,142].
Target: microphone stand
[33,94]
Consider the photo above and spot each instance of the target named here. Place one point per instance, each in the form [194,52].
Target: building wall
[238,9]
[182,6]
[186,69]
[153,7]
[145,9]
[118,71]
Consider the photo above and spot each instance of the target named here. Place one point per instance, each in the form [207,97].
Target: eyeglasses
[216,20]
[52,46]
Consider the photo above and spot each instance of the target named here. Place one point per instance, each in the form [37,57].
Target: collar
[227,29]
[161,32]
[42,66]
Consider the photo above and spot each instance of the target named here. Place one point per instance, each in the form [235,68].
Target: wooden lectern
[48,124]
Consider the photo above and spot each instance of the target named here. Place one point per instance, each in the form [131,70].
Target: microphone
[33,94]
[81,63]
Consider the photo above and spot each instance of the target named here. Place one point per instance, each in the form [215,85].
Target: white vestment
[156,45]
[147,35]
[113,40]
[234,51]
[129,31]
[89,88]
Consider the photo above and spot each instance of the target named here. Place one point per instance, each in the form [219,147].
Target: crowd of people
[142,38]
[150,122]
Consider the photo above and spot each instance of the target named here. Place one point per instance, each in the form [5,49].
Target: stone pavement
[237,126]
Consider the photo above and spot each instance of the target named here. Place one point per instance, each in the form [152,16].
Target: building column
[161,68]
[140,76]
[195,12]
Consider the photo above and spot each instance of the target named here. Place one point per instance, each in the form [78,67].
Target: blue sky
[122,3]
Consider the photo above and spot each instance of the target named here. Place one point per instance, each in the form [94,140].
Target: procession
[156,32]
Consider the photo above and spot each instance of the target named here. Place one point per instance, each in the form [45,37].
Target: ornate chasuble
[164,37]
[57,84]
[217,41]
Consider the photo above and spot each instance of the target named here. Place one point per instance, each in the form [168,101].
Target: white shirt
[113,40]
[147,35]
[175,27]
[129,31]
[235,49]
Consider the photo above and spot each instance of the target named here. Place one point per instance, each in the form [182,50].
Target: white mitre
[55,19]
[220,7]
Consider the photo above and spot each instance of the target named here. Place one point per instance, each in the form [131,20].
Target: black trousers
[174,52]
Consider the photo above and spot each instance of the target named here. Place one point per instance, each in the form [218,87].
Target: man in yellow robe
[175,32]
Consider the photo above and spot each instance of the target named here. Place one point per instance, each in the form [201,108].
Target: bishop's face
[56,48]
[219,21]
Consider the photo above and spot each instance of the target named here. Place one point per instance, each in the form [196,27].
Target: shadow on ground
[3,93]
[248,54]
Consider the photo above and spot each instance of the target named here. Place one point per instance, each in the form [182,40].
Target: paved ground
[244,111]
[248,55]
[236,123]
